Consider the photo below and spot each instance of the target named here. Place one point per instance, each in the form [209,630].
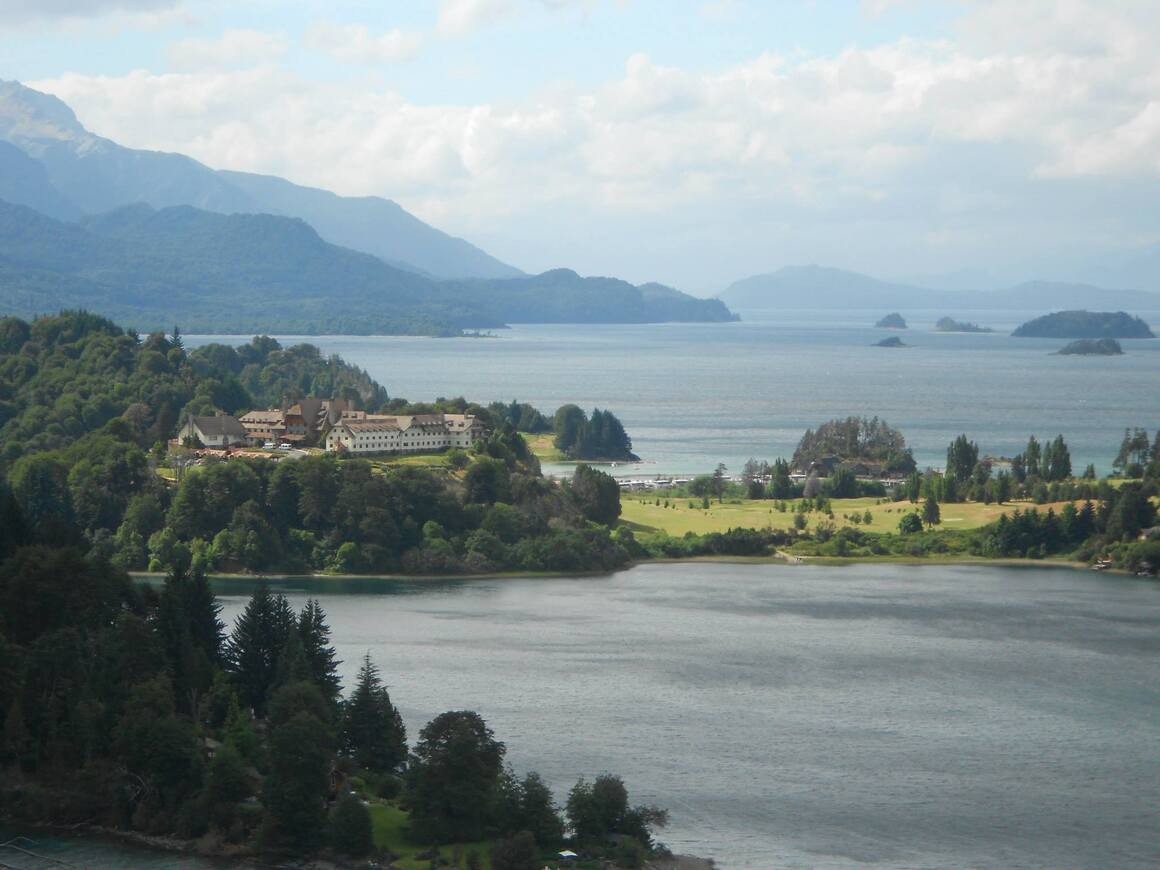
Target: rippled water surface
[693,395]
[813,716]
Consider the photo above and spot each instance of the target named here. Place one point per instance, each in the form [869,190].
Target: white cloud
[958,142]
[234,48]
[461,17]
[355,43]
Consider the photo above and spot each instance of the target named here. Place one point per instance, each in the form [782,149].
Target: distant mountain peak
[83,173]
[30,116]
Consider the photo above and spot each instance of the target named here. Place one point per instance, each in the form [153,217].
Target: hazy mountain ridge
[211,272]
[94,175]
[805,287]
[563,296]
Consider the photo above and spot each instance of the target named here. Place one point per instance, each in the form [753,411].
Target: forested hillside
[88,408]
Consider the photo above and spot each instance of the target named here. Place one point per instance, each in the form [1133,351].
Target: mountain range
[820,287]
[153,239]
[247,273]
[51,163]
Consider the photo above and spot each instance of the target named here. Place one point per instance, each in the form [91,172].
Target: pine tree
[259,636]
[372,729]
[320,655]
[930,512]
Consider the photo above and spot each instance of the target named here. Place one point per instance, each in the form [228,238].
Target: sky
[693,142]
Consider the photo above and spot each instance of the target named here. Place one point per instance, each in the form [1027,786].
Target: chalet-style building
[264,426]
[302,424]
[220,431]
[418,433]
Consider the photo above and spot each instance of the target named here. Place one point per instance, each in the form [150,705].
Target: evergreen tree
[373,733]
[1059,466]
[320,655]
[1002,488]
[259,636]
[350,827]
[962,456]
[294,792]
[1031,458]
[930,512]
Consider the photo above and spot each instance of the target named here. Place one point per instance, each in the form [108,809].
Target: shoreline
[780,558]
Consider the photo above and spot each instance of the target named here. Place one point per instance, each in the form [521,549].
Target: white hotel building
[420,433]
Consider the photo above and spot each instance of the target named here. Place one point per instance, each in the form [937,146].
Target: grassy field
[643,514]
[390,832]
[544,448]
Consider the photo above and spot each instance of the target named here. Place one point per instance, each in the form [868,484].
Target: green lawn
[390,832]
[642,513]
[544,448]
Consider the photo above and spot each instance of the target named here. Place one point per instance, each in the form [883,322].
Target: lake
[693,395]
[803,716]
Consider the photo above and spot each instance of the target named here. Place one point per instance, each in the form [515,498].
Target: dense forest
[131,708]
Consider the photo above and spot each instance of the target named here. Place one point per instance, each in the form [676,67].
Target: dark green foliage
[855,440]
[910,524]
[601,809]
[1085,324]
[294,793]
[487,481]
[322,666]
[258,638]
[372,731]
[962,457]
[596,494]
[521,416]
[931,515]
[43,590]
[453,778]
[350,828]
[226,784]
[532,808]
[516,853]
[600,437]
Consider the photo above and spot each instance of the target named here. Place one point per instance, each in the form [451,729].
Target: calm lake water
[693,395]
[812,716]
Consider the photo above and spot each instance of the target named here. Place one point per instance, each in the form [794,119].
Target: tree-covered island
[894,320]
[1085,324]
[1091,347]
[948,324]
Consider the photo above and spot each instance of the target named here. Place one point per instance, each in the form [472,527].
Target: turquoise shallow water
[813,716]
[693,395]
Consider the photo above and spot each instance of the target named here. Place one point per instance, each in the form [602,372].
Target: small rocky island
[893,341]
[1085,324]
[1092,347]
[947,324]
[891,321]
